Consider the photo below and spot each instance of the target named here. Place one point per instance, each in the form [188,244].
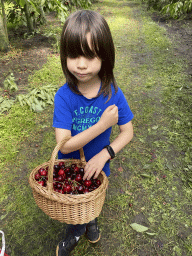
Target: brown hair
[74,43]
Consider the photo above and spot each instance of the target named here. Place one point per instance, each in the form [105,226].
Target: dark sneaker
[92,231]
[66,246]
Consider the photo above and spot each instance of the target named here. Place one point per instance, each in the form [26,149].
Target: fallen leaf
[138,227]
[120,169]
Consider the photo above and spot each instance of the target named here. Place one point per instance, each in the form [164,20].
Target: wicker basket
[67,208]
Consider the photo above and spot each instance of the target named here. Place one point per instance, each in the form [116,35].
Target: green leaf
[150,234]
[138,227]
[146,175]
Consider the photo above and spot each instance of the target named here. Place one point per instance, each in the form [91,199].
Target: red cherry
[64,191]
[93,187]
[41,170]
[98,182]
[43,173]
[61,172]
[42,183]
[86,190]
[76,169]
[73,166]
[56,167]
[59,185]
[67,170]
[81,171]
[78,178]
[60,178]
[58,190]
[37,176]
[61,164]
[80,189]
[66,182]
[73,176]
[68,188]
[87,183]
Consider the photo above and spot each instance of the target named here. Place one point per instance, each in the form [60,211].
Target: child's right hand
[109,116]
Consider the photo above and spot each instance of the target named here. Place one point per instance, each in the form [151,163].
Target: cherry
[81,171]
[80,189]
[54,184]
[56,167]
[60,178]
[87,183]
[41,182]
[86,190]
[59,185]
[58,190]
[76,169]
[98,182]
[61,172]
[78,178]
[67,170]
[68,188]
[64,191]
[54,174]
[73,176]
[68,174]
[41,170]
[73,166]
[37,176]
[66,182]
[61,164]
[43,173]
[93,187]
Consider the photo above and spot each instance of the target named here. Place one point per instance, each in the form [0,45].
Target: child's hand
[109,116]
[95,165]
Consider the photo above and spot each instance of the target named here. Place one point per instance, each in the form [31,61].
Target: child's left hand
[95,165]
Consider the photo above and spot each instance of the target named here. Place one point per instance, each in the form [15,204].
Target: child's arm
[96,164]
[108,119]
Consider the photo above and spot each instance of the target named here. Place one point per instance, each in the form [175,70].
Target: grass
[150,182]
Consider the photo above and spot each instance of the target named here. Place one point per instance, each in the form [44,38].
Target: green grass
[153,172]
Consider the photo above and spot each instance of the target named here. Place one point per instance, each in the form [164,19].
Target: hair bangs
[78,44]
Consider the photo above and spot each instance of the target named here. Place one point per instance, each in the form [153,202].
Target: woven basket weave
[67,208]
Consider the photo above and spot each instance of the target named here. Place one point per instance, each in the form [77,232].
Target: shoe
[92,232]
[67,245]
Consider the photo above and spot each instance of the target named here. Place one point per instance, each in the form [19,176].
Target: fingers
[90,172]
[111,107]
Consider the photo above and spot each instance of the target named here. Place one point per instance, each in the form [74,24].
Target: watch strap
[110,151]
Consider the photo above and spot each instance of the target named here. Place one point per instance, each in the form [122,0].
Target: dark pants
[76,230]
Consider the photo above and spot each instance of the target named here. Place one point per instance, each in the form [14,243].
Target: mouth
[81,75]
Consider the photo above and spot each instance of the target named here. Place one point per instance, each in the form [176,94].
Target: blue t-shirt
[77,113]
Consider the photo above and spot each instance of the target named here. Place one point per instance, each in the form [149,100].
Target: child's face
[85,69]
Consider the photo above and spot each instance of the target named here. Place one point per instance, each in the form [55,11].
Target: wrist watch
[111,151]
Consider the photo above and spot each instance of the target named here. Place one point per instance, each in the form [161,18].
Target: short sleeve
[124,111]
[62,117]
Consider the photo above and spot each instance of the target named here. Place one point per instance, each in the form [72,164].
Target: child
[88,105]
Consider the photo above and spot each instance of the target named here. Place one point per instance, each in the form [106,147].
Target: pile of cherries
[67,179]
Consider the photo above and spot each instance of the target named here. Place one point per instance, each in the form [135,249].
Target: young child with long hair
[88,105]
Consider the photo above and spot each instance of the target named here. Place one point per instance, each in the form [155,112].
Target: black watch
[110,150]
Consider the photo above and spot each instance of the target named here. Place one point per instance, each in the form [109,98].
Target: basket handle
[52,161]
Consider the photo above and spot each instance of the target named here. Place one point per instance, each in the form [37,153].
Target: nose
[81,62]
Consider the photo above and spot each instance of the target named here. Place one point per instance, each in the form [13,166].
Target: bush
[174,8]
